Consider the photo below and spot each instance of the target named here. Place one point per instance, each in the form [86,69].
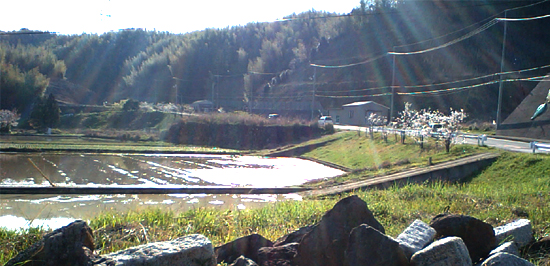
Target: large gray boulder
[191,250]
[327,241]
[247,246]
[478,236]
[519,231]
[415,237]
[449,251]
[505,259]
[71,245]
[368,247]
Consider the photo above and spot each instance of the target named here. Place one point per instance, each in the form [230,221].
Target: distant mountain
[268,65]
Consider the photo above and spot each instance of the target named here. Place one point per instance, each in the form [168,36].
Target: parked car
[436,127]
[324,120]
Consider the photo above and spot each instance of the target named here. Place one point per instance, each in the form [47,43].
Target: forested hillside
[437,44]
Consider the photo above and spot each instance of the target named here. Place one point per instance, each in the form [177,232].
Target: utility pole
[313,95]
[499,105]
[175,82]
[392,102]
[212,78]
[251,92]
[1,62]
[176,87]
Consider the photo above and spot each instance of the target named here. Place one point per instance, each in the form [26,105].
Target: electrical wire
[523,19]
[350,65]
[441,91]
[471,86]
[479,30]
[526,6]
[353,96]
[467,27]
[450,33]
[261,73]
[484,27]
[443,83]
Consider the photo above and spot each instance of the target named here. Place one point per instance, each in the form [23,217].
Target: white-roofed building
[358,113]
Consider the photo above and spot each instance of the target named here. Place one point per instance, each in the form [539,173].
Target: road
[500,143]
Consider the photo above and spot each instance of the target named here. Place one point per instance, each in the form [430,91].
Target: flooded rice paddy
[149,170]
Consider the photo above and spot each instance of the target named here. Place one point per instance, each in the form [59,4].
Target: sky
[99,16]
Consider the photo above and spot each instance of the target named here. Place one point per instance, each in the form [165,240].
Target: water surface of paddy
[150,170]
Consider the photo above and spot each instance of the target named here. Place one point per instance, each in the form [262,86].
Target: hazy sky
[98,16]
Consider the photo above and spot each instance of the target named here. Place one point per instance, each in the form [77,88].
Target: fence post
[533,146]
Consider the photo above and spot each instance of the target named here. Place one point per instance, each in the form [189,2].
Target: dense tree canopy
[269,62]
[25,72]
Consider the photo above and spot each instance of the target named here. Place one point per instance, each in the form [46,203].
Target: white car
[324,120]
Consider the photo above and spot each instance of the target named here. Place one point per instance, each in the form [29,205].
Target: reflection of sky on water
[155,170]
[18,211]
[149,170]
[12,222]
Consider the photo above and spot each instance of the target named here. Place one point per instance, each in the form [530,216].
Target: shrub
[131,105]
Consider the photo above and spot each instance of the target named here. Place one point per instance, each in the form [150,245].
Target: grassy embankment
[514,184]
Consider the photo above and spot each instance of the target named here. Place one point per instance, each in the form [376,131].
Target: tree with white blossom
[8,119]
[374,119]
[423,122]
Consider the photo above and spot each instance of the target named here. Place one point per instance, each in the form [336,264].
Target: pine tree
[45,114]
[51,112]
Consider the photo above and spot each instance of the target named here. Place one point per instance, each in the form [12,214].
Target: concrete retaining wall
[453,171]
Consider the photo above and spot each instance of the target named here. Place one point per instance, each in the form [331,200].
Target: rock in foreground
[71,245]
[478,236]
[191,250]
[368,247]
[326,243]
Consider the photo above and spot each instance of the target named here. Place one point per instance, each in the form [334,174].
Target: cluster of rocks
[348,234]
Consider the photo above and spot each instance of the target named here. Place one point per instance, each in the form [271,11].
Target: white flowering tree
[432,123]
[8,119]
[374,119]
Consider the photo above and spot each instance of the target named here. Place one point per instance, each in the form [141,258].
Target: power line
[523,19]
[350,65]
[526,6]
[451,33]
[446,83]
[457,89]
[353,96]
[481,29]
[435,92]
[440,91]
[464,37]
[395,11]
[262,73]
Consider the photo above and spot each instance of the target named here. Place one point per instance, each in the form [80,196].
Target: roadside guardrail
[480,138]
[539,146]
